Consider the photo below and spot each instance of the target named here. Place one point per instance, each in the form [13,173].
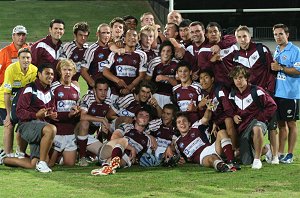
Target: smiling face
[144,94]
[57,31]
[24,60]
[81,37]
[117,30]
[19,39]
[206,81]
[101,90]
[166,54]
[167,116]
[46,76]
[183,125]
[184,74]
[142,118]
[280,36]
[131,38]
[197,34]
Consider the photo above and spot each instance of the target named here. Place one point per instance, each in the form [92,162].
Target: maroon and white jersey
[71,51]
[126,106]
[65,98]
[223,108]
[126,67]
[45,51]
[260,72]
[150,53]
[183,96]
[156,68]
[192,144]
[140,141]
[31,101]
[89,104]
[221,68]
[164,135]
[247,108]
[94,59]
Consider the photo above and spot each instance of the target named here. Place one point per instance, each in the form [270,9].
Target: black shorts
[3,114]
[287,109]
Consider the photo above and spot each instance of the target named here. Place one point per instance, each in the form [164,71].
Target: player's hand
[121,83]
[152,101]
[215,49]
[275,66]
[7,121]
[181,161]
[75,111]
[203,102]
[160,78]
[124,91]
[237,119]
[191,106]
[42,113]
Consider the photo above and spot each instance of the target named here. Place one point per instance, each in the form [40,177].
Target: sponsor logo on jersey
[93,110]
[75,57]
[181,145]
[100,55]
[119,59]
[60,94]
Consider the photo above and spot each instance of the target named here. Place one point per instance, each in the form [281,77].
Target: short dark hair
[174,25]
[214,24]
[146,108]
[147,84]
[22,50]
[182,114]
[280,25]
[183,64]
[44,66]
[56,21]
[185,23]
[126,17]
[117,20]
[81,26]
[208,71]
[194,23]
[171,106]
[101,81]
[167,43]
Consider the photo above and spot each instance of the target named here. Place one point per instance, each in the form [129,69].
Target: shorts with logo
[209,150]
[65,143]
[287,109]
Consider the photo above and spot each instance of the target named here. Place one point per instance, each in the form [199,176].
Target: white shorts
[64,143]
[92,139]
[209,150]
[162,99]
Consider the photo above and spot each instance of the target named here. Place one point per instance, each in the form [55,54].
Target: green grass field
[184,181]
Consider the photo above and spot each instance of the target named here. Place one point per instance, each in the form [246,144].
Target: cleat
[115,163]
[257,164]
[268,156]
[223,167]
[83,162]
[105,170]
[42,167]
[275,160]
[281,157]
[235,165]
[288,159]
[2,156]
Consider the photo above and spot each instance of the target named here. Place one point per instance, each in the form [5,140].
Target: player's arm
[111,114]
[86,76]
[136,81]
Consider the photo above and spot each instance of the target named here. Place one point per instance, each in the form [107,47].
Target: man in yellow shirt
[17,75]
[9,54]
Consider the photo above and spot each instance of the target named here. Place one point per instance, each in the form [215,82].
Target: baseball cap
[19,29]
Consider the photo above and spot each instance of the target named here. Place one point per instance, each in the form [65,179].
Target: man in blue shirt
[287,91]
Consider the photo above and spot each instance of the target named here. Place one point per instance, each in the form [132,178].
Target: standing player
[96,56]
[66,93]
[17,75]
[127,70]
[75,50]
[9,54]
[257,59]
[287,91]
[48,49]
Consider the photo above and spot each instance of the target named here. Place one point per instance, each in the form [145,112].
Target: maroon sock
[116,152]
[227,149]
[82,144]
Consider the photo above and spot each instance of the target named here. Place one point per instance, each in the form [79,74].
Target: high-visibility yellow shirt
[15,78]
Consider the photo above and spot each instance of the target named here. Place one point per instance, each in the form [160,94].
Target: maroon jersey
[94,59]
[221,68]
[183,96]
[126,67]
[30,102]
[156,68]
[247,108]
[140,141]
[45,51]
[65,98]
[223,107]
[192,144]
[71,51]
[260,72]
[92,107]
